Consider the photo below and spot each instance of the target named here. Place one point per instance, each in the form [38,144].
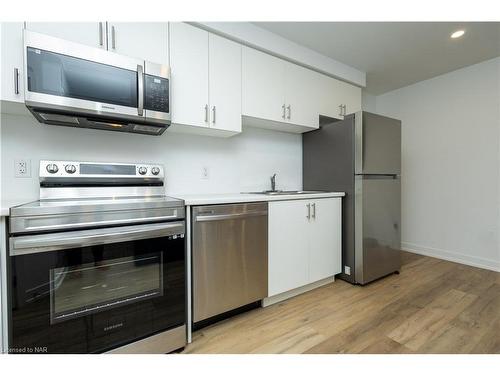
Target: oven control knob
[143,170]
[52,168]
[70,168]
[155,170]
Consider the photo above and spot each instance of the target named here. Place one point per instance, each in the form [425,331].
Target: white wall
[368,102]
[450,156]
[241,163]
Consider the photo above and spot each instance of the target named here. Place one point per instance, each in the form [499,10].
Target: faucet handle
[273,182]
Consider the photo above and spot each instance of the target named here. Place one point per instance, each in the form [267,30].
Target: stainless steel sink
[286,192]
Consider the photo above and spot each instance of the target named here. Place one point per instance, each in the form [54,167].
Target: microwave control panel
[156,93]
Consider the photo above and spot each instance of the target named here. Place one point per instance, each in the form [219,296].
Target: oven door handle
[76,239]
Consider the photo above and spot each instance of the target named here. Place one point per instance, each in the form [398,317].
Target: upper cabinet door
[302,96]
[189,74]
[334,94]
[144,40]
[225,84]
[330,99]
[350,96]
[90,33]
[263,85]
[325,251]
[12,88]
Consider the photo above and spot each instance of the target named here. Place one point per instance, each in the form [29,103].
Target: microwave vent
[58,118]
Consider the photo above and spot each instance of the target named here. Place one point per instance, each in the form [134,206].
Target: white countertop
[203,199]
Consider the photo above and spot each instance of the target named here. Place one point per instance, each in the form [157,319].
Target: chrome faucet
[273,182]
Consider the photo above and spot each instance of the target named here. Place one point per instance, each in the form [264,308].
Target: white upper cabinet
[302,96]
[144,40]
[224,84]
[338,98]
[206,82]
[90,33]
[350,97]
[263,85]
[290,95]
[189,72]
[12,88]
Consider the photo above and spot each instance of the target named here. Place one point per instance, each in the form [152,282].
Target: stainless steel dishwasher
[229,257]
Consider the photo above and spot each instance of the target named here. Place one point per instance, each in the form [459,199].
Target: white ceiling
[395,54]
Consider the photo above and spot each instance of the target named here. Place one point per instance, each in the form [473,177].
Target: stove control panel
[96,170]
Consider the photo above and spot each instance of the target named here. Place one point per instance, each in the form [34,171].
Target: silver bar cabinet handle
[213,114]
[101,34]
[314,211]
[206,112]
[16,81]
[140,88]
[283,115]
[308,211]
[113,37]
[289,108]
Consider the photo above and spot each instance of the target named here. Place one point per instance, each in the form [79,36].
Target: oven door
[62,75]
[93,290]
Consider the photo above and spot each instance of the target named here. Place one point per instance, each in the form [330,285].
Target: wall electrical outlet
[347,270]
[204,173]
[22,168]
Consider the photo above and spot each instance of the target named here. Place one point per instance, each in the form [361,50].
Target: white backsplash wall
[241,163]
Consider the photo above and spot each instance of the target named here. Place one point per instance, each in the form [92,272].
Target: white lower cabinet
[304,243]
[325,239]
[288,246]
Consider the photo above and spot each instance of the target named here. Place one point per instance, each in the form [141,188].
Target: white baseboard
[295,292]
[451,256]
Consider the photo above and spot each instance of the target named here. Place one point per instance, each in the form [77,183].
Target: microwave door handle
[140,90]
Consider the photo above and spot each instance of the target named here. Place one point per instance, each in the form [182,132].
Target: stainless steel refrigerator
[361,155]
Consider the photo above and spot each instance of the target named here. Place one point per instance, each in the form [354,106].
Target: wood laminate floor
[433,306]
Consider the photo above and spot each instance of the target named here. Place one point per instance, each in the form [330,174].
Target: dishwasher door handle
[243,215]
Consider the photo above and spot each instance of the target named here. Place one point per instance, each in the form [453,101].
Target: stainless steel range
[98,263]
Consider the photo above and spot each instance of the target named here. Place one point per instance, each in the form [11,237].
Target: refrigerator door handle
[358,143]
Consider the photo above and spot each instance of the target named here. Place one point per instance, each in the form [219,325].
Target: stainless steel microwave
[70,84]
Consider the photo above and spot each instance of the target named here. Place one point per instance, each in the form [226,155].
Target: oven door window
[94,298]
[88,288]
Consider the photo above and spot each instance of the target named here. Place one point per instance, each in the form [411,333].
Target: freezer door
[377,144]
[377,227]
